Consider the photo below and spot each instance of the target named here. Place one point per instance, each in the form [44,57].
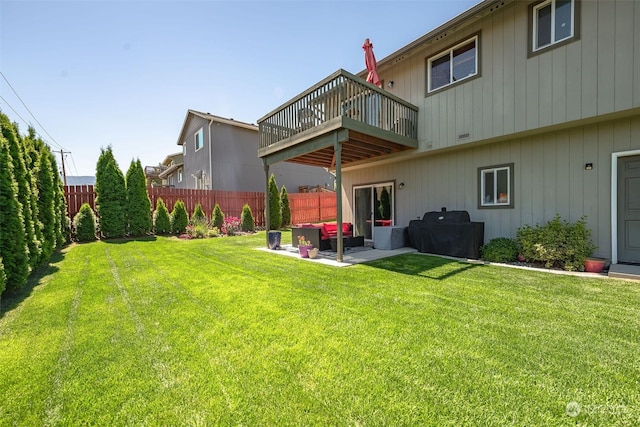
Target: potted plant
[313,252]
[303,247]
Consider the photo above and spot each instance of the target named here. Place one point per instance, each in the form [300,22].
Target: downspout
[210,157]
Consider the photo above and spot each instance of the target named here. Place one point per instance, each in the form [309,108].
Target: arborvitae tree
[138,203]
[198,214]
[111,196]
[84,224]
[385,204]
[65,222]
[275,210]
[62,223]
[3,278]
[23,179]
[32,163]
[246,219]
[161,218]
[284,205]
[13,248]
[46,202]
[217,217]
[179,218]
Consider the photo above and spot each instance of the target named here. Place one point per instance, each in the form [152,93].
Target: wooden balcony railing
[340,95]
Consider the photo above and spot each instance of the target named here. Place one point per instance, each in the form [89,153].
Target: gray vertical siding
[548,114]
[549,179]
[595,75]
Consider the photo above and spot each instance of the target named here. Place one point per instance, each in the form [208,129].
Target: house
[514,111]
[220,154]
[170,171]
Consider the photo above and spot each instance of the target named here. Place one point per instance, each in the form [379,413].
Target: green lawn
[215,332]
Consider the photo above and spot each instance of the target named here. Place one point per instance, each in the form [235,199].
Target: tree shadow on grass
[121,241]
[431,267]
[12,298]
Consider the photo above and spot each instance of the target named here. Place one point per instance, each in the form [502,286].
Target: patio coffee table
[348,242]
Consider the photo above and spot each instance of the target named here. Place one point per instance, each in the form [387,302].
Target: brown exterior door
[629,209]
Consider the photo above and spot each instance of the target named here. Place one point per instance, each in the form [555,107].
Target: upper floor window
[179,175]
[184,148]
[552,21]
[199,139]
[453,65]
[495,186]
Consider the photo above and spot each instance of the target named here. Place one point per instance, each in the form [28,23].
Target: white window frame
[449,52]
[180,175]
[184,148]
[195,136]
[553,41]
[496,203]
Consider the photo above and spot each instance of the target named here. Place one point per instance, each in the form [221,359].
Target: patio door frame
[371,216]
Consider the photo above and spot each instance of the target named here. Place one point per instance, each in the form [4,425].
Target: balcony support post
[337,148]
[267,211]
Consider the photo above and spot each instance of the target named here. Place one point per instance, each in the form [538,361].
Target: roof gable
[211,118]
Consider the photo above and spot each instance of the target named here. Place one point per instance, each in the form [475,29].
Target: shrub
[275,210]
[558,243]
[231,225]
[213,232]
[198,230]
[246,219]
[138,203]
[284,205]
[111,196]
[501,249]
[161,218]
[13,247]
[179,218]
[198,215]
[84,224]
[217,217]
[24,188]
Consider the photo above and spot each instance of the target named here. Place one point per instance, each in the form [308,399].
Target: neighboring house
[220,154]
[514,111]
[171,171]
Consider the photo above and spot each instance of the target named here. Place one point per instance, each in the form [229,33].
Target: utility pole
[64,172]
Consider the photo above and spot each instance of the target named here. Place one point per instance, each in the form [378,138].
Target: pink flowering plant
[231,225]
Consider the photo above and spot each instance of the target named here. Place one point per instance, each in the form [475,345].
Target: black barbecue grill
[447,233]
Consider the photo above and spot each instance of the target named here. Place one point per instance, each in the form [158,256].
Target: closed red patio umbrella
[370,62]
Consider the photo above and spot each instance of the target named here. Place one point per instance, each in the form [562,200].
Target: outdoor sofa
[319,235]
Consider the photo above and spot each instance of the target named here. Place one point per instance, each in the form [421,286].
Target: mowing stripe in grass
[214,332]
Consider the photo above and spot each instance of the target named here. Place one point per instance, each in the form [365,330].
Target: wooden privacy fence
[305,207]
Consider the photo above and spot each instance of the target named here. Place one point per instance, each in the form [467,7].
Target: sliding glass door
[374,206]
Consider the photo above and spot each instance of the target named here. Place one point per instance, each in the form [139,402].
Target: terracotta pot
[594,265]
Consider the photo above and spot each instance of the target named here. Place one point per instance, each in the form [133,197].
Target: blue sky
[124,73]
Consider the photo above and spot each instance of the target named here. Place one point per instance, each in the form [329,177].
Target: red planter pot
[594,265]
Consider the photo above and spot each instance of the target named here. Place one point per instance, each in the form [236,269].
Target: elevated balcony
[365,120]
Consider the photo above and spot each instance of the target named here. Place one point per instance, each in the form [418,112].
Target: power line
[30,112]
[43,139]
[14,110]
